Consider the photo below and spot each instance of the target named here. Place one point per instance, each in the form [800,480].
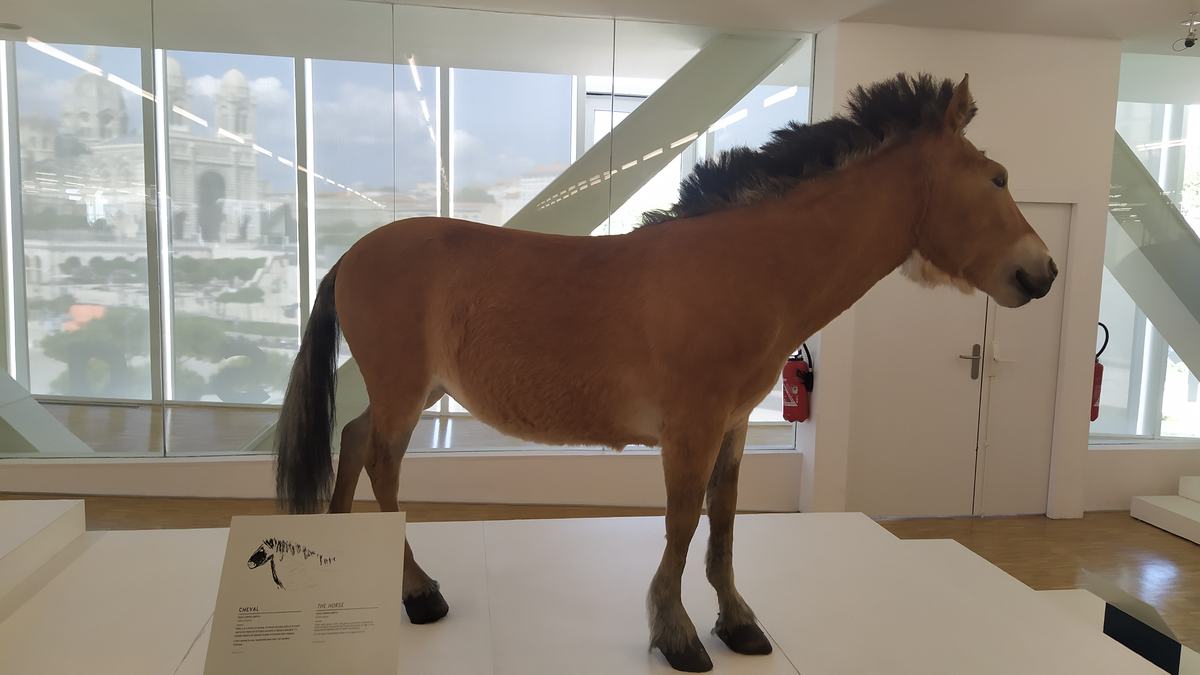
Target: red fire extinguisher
[797,385]
[1098,376]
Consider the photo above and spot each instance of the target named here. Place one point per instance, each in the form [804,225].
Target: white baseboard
[770,480]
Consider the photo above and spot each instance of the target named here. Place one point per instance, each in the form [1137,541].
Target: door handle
[976,358]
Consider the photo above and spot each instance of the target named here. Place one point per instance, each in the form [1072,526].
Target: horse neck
[837,236]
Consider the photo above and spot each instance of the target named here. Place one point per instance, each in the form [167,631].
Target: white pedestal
[837,593]
[31,533]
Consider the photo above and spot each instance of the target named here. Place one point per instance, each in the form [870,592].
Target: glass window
[83,212]
[1122,358]
[356,111]
[232,226]
[1148,390]
[607,111]
[1180,399]
[511,138]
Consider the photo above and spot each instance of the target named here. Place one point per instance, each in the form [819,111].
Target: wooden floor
[1158,567]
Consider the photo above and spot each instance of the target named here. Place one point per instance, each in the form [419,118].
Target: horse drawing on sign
[670,334]
[291,563]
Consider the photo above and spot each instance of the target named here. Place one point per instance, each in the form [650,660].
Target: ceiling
[782,15]
[1145,26]
[350,28]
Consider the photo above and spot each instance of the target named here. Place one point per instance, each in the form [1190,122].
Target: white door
[1021,369]
[915,455]
[934,406]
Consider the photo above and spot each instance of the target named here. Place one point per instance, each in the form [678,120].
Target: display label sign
[309,594]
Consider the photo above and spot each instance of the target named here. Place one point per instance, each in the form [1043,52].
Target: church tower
[235,104]
[177,95]
[95,109]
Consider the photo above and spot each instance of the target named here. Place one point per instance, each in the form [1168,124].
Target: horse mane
[877,115]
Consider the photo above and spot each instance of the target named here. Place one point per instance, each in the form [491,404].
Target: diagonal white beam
[1153,253]
[695,97]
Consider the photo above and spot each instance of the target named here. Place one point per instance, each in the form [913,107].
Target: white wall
[630,478]
[1047,106]
[1117,474]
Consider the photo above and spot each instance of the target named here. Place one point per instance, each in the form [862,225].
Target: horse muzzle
[1036,284]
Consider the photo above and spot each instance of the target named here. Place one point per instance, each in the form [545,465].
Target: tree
[97,355]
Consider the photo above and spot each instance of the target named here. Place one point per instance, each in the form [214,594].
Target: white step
[129,602]
[31,533]
[1177,515]
[1189,486]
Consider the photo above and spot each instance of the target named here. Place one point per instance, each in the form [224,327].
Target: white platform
[836,592]
[1177,515]
[33,532]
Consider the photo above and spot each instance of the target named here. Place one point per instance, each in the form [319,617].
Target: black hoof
[745,639]
[426,607]
[691,659]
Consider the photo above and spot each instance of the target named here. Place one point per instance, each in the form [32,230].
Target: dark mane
[876,115]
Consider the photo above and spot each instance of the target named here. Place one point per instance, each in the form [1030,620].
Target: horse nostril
[1032,288]
[1053,270]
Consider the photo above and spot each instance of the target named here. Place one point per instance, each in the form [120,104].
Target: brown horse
[670,334]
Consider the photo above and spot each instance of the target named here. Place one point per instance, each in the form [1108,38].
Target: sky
[506,124]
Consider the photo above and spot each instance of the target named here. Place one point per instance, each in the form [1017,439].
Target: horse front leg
[687,464]
[736,625]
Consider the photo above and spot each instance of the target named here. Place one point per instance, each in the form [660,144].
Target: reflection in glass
[232,225]
[1148,390]
[511,138]
[355,113]
[83,210]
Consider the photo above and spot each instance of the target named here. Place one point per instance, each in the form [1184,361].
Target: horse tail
[304,433]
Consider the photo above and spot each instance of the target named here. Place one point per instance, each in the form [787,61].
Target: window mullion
[158,240]
[305,199]
[16,334]
[154,230]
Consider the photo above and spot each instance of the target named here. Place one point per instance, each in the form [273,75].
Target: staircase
[1154,253]
[1177,514]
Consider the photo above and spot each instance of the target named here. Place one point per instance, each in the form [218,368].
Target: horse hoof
[426,607]
[690,659]
[744,639]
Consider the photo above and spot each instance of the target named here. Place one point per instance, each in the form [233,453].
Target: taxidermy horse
[670,334]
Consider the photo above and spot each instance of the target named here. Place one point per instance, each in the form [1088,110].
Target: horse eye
[1000,180]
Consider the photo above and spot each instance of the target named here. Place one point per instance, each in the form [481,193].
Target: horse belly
[558,410]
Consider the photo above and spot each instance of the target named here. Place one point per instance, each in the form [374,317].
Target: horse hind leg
[351,458]
[422,596]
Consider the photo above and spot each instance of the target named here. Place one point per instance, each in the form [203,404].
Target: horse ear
[961,109]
